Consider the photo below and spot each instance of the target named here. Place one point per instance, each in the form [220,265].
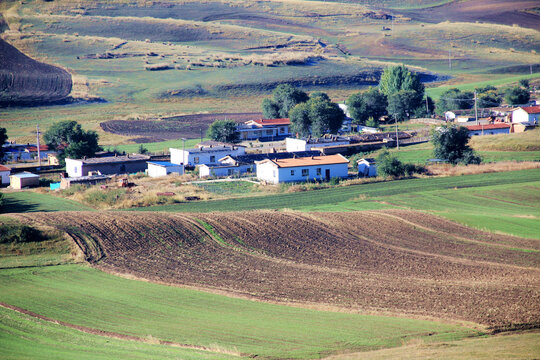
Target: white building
[109,165]
[449,116]
[264,129]
[307,144]
[208,155]
[489,129]
[221,170]
[530,114]
[4,174]
[367,167]
[163,168]
[302,169]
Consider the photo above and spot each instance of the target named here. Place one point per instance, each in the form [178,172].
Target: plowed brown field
[389,261]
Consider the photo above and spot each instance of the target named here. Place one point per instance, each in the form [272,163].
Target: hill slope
[398,261]
[25,81]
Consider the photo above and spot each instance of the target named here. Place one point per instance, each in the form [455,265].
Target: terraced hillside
[382,261]
[24,80]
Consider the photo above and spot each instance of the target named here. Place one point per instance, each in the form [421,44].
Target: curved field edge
[395,261]
[88,297]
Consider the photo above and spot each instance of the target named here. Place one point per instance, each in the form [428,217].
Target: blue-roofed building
[163,168]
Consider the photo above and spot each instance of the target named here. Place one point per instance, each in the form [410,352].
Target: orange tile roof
[531,109]
[487,127]
[4,168]
[264,122]
[33,148]
[309,161]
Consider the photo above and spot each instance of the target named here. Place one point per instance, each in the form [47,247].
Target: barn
[23,180]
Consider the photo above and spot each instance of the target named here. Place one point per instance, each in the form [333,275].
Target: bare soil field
[391,261]
[491,11]
[176,127]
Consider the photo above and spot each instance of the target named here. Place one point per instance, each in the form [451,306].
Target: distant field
[94,299]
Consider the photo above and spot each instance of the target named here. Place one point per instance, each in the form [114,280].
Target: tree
[316,116]
[398,78]
[401,104]
[489,99]
[224,131]
[454,99]
[270,109]
[517,96]
[3,139]
[524,83]
[70,140]
[142,149]
[388,165]
[451,143]
[325,116]
[300,120]
[370,104]
[284,98]
[319,94]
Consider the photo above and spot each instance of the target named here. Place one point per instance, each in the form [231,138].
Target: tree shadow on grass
[12,205]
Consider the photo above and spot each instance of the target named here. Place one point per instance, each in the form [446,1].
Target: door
[327,174]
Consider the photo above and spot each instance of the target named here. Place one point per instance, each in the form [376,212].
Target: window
[305,172]
[249,169]
[292,172]
[212,159]
[229,172]
[319,171]
[282,130]
[196,160]
[269,132]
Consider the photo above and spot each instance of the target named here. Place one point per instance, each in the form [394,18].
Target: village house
[245,164]
[314,168]
[489,129]
[367,167]
[33,151]
[23,180]
[526,114]
[163,168]
[264,129]
[107,165]
[307,144]
[208,155]
[4,174]
[65,183]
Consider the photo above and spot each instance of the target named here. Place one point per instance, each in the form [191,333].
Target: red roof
[531,109]
[32,148]
[487,127]
[264,122]
[4,168]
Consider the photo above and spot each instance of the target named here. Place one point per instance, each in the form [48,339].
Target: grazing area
[85,297]
[370,261]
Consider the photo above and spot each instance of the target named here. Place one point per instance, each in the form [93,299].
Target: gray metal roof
[114,159]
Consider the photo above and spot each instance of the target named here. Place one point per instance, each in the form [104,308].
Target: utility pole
[183,156]
[397,135]
[427,107]
[475,108]
[38,150]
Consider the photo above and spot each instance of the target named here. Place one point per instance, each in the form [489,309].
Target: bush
[388,165]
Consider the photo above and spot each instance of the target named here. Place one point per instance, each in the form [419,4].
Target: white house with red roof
[264,129]
[4,174]
[314,168]
[526,114]
[489,129]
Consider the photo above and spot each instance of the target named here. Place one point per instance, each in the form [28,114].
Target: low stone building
[111,165]
[23,180]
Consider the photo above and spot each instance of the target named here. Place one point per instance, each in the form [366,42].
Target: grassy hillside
[29,201]
[94,299]
[26,337]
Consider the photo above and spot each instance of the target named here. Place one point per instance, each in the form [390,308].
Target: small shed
[24,179]
[163,168]
[367,167]
[4,174]
[66,183]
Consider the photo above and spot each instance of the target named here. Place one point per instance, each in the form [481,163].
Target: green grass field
[25,337]
[30,201]
[84,296]
[504,202]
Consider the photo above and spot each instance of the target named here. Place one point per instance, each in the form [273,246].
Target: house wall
[4,175]
[157,171]
[367,170]
[76,168]
[270,173]
[204,157]
[489,132]
[521,115]
[293,144]
[205,171]
[267,131]
[19,183]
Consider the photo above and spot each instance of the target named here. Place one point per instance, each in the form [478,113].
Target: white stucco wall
[211,156]
[157,170]
[4,175]
[365,169]
[270,173]
[74,167]
[520,115]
